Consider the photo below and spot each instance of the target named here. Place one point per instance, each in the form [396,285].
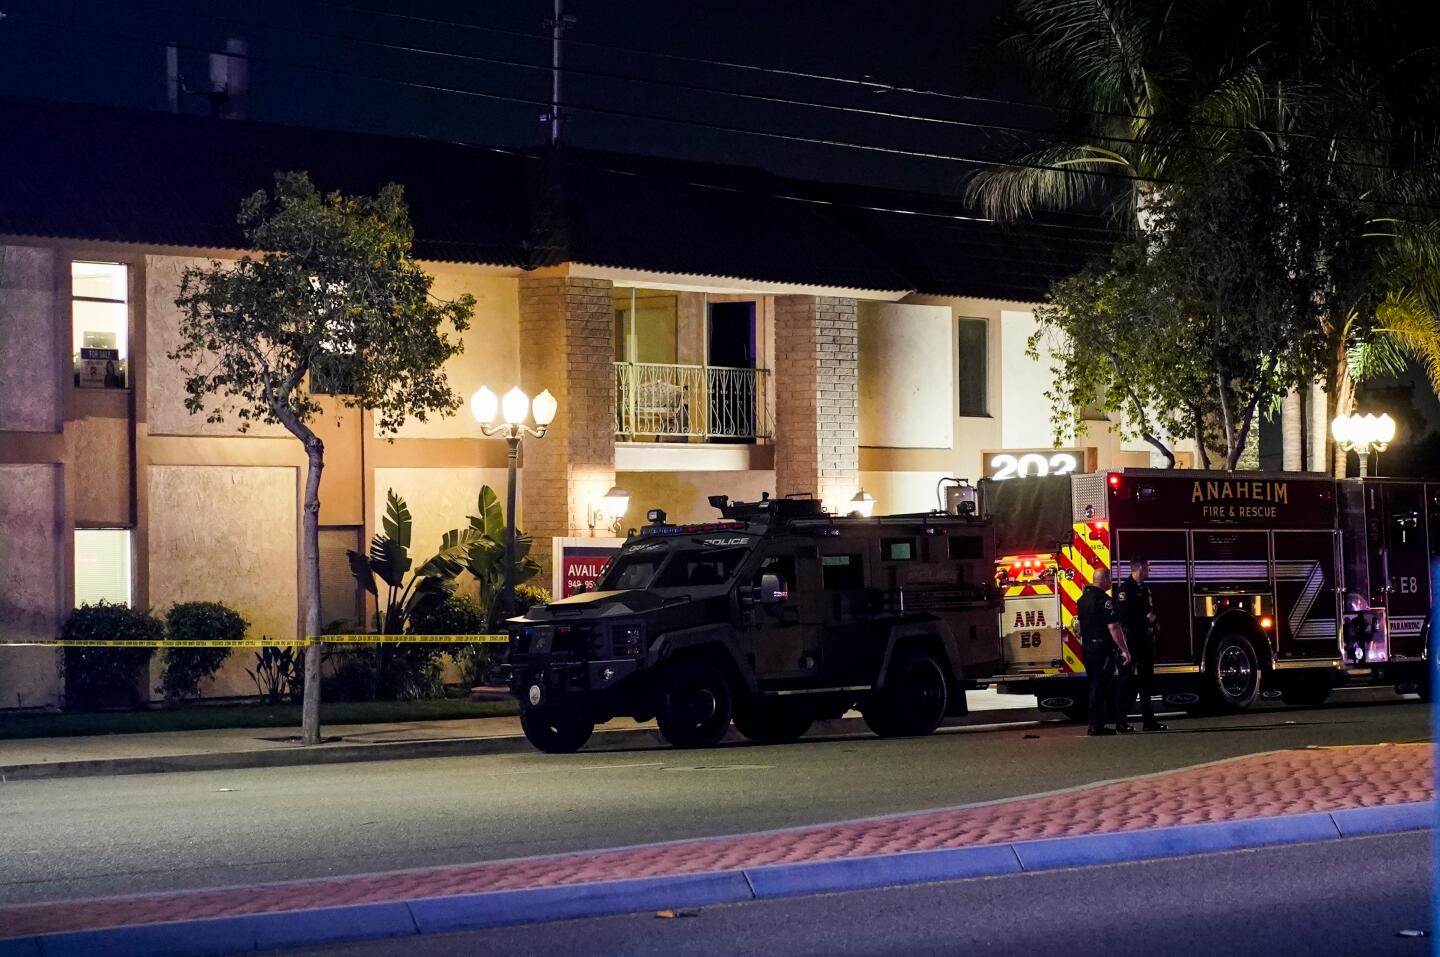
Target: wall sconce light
[610,510]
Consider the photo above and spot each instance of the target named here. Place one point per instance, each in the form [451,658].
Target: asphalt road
[98,836]
[1331,898]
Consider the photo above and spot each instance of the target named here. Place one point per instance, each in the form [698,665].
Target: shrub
[185,668]
[107,676]
[277,673]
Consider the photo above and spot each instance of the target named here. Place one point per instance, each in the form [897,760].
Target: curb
[260,932]
[618,740]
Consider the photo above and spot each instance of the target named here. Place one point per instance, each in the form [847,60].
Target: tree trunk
[310,547]
[1319,428]
[1291,432]
[1343,403]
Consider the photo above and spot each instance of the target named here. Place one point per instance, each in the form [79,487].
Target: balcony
[655,401]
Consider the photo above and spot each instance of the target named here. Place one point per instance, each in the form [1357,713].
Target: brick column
[567,330]
[816,397]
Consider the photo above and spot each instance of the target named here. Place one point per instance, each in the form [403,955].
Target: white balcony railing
[655,400]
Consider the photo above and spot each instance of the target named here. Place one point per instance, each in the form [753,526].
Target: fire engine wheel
[913,700]
[555,732]
[1232,675]
[767,721]
[695,704]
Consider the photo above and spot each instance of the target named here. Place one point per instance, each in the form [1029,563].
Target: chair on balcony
[661,409]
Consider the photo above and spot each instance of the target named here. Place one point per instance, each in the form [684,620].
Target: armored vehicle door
[782,635]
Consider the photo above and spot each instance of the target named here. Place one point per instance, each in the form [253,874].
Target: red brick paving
[1289,782]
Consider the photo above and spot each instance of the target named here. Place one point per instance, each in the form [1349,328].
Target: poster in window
[100,369]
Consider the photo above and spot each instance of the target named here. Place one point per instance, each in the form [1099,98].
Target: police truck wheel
[913,700]
[767,721]
[555,732]
[1232,675]
[695,704]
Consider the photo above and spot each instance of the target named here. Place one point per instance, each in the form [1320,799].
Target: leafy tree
[331,282]
[1213,314]
[1153,94]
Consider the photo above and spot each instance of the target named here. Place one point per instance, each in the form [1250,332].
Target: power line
[874,86]
[601,110]
[629,114]
[1080,138]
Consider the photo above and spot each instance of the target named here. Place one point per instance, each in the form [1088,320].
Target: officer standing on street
[1103,641]
[1137,617]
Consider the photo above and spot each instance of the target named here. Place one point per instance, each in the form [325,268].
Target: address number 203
[1031,464]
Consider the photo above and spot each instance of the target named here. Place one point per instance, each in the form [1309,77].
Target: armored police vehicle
[775,616]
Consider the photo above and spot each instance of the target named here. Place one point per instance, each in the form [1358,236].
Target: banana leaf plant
[484,558]
[389,563]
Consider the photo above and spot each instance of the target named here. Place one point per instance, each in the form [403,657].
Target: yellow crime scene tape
[267,643]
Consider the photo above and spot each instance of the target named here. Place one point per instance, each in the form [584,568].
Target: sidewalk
[1263,789]
[230,748]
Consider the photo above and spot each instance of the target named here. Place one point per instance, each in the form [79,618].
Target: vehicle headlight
[627,641]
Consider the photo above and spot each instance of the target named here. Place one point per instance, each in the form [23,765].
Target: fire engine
[1279,584]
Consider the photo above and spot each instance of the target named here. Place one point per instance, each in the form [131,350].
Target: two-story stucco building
[706,330]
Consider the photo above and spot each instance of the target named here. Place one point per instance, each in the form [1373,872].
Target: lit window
[100,320]
[102,565]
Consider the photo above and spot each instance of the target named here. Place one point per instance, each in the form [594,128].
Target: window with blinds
[102,565]
[339,592]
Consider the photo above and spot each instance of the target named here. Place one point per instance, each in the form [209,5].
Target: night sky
[312,68]
[73,49]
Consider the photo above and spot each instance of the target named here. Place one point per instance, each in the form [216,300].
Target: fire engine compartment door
[1030,631]
[1167,551]
[1306,598]
[1406,566]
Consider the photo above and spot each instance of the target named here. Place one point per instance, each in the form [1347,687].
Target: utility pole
[557,24]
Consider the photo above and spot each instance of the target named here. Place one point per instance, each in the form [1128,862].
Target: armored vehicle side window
[841,572]
[779,565]
[898,549]
[695,569]
[632,571]
[966,548]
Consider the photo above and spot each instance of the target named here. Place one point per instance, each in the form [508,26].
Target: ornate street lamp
[1363,434]
[516,407]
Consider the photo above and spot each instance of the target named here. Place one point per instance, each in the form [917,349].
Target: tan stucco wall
[907,372]
[229,534]
[491,355]
[30,374]
[164,382]
[683,495]
[31,579]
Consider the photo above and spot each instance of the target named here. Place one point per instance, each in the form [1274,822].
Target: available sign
[578,562]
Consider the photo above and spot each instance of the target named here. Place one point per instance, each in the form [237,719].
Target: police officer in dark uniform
[1105,650]
[1137,617]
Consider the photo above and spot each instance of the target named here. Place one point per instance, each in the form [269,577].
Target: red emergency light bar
[1114,480]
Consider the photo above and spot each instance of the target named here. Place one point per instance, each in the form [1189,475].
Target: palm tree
[1158,90]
